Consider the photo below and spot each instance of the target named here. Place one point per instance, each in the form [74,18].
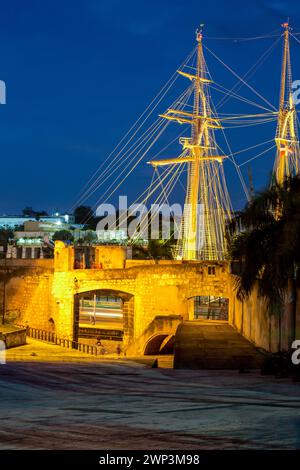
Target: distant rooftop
[13,220]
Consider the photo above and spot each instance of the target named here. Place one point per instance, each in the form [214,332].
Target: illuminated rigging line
[106,195]
[240,78]
[114,165]
[169,186]
[212,170]
[249,74]
[150,137]
[237,116]
[166,192]
[97,184]
[237,126]
[227,92]
[232,160]
[253,38]
[293,36]
[166,171]
[150,190]
[179,172]
[173,78]
[258,155]
[252,147]
[130,151]
[264,121]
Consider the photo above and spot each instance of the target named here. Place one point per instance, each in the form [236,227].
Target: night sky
[78,73]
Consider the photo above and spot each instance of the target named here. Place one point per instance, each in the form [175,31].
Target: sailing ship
[207,207]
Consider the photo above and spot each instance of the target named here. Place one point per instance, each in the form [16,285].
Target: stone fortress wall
[157,296]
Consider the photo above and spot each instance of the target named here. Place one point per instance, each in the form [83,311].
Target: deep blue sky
[78,73]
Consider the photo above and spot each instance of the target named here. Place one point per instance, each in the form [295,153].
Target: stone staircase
[214,345]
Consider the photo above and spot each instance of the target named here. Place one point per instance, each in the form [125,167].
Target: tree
[19,228]
[83,215]
[29,212]
[265,238]
[63,235]
[156,249]
[40,214]
[5,235]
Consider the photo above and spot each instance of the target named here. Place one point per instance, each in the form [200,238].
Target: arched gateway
[158,297]
[143,301]
[105,314]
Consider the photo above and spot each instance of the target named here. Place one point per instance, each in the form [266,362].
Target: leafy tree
[265,238]
[40,214]
[48,251]
[88,238]
[83,215]
[63,235]
[29,212]
[156,249]
[5,235]
[19,228]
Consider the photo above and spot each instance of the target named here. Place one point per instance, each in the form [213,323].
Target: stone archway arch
[162,343]
[154,343]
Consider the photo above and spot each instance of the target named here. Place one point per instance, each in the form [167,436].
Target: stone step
[214,346]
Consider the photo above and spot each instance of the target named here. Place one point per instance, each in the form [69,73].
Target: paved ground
[114,404]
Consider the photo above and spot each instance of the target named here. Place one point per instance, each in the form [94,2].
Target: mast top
[286,26]
[199,33]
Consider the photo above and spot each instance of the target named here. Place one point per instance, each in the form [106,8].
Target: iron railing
[51,337]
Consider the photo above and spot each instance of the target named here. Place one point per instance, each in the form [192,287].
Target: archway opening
[97,310]
[160,344]
[167,346]
[103,317]
[51,324]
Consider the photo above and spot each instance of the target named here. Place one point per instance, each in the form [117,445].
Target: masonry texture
[157,296]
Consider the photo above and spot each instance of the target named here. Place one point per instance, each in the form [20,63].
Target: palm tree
[265,238]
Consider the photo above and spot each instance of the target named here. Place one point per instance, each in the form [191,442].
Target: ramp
[214,345]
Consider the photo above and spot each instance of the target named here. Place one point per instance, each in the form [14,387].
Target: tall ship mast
[207,209]
[287,142]
[207,203]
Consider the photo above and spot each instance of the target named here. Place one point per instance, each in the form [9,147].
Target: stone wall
[254,321]
[159,289]
[28,294]
[13,339]
[43,296]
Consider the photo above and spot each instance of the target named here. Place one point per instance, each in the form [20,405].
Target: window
[211,270]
